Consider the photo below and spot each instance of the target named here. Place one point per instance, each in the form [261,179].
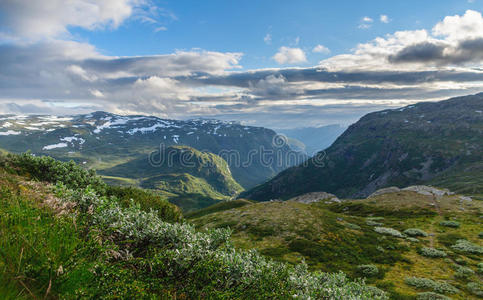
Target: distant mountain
[432,142]
[103,141]
[314,139]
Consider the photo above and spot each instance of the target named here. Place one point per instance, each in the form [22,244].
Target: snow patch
[59,145]
[10,132]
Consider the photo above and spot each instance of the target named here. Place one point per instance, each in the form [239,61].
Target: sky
[278,64]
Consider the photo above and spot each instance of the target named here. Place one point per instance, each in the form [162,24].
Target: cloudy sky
[274,63]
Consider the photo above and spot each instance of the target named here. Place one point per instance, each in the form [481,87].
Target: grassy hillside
[177,172]
[387,238]
[77,240]
[417,144]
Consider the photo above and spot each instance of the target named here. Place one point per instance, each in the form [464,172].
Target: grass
[324,236]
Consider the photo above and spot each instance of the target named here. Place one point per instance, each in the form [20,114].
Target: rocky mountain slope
[416,243]
[434,143]
[102,141]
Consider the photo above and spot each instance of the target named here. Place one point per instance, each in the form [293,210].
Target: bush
[373,223]
[414,232]
[431,296]
[46,168]
[480,268]
[411,239]
[353,226]
[428,284]
[388,231]
[205,264]
[431,252]
[463,272]
[368,270]
[466,246]
[480,235]
[453,224]
[475,288]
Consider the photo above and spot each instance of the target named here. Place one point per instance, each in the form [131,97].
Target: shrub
[388,231]
[353,226]
[205,264]
[463,272]
[414,232]
[480,235]
[466,246]
[431,296]
[411,239]
[428,284]
[368,270]
[431,252]
[373,223]
[453,224]
[475,288]
[480,267]
[46,168]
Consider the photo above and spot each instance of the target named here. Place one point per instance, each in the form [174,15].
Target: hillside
[426,143]
[408,243]
[104,141]
[64,234]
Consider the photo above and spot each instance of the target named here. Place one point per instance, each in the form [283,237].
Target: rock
[316,197]
[428,190]
[391,189]
[465,198]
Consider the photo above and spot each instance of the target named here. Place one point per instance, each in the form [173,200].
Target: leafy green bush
[466,246]
[205,264]
[46,168]
[475,288]
[428,284]
[453,224]
[388,231]
[431,252]
[414,232]
[431,296]
[353,226]
[480,235]
[368,270]
[373,223]
[411,239]
[480,268]
[463,272]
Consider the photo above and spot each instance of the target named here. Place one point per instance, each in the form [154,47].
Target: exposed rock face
[428,190]
[315,197]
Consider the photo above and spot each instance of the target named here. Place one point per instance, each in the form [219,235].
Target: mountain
[314,139]
[105,141]
[432,142]
[412,243]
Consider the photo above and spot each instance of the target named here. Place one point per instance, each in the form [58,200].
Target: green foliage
[368,270]
[147,200]
[428,284]
[388,231]
[452,224]
[222,206]
[46,168]
[475,288]
[431,296]
[480,268]
[463,272]
[431,252]
[467,246]
[415,232]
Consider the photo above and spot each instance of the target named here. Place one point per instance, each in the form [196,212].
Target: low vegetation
[63,242]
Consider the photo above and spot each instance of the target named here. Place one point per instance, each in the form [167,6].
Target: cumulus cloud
[51,18]
[286,55]
[321,49]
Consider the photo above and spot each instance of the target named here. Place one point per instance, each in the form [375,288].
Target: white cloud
[321,49]
[384,19]
[267,39]
[160,28]
[286,55]
[51,18]
[456,28]
[366,23]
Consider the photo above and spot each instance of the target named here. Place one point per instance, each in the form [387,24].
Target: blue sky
[268,63]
